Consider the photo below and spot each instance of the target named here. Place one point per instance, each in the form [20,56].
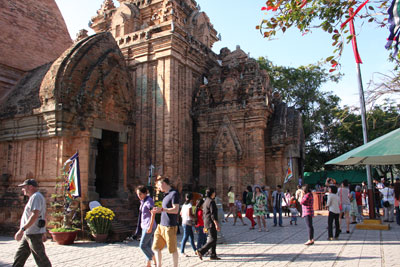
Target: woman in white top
[344,204]
[334,211]
[388,202]
[187,223]
[231,202]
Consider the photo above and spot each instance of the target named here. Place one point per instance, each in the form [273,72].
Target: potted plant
[65,209]
[99,221]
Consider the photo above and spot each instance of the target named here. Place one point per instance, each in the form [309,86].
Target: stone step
[119,231]
[118,209]
[372,221]
[113,202]
[123,214]
[125,217]
[372,224]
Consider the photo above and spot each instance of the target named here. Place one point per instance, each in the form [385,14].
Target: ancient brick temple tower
[167,46]
[244,136]
[145,90]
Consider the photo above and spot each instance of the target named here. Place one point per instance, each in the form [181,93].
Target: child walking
[238,209]
[293,210]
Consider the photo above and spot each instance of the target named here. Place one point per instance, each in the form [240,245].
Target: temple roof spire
[107,5]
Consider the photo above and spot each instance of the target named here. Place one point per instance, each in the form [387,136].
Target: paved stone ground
[281,246]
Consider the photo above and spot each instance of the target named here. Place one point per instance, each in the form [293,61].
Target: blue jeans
[278,210]
[202,238]
[187,234]
[145,244]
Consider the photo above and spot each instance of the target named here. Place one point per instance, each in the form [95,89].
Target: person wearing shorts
[165,234]
[344,204]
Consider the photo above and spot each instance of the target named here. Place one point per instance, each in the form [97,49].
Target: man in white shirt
[277,197]
[334,211]
[32,227]
[388,202]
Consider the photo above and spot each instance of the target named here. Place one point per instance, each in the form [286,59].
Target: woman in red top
[200,224]
[307,202]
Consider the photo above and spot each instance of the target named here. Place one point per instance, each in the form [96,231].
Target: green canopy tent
[384,150]
[353,176]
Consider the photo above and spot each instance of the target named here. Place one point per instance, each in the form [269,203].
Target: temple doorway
[107,165]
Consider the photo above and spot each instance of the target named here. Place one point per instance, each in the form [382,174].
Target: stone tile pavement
[281,246]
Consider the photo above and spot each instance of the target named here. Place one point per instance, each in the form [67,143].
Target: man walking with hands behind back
[32,227]
[210,216]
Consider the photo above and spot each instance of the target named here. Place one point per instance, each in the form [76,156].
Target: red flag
[353,15]
[354,40]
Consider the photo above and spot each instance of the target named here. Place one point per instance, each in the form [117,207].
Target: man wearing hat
[32,227]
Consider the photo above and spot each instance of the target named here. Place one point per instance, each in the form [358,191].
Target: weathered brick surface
[167,47]
[62,110]
[35,27]
[235,118]
[33,33]
[151,78]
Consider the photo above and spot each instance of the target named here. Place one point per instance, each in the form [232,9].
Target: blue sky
[236,21]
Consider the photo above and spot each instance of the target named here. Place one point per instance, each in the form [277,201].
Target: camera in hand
[41,223]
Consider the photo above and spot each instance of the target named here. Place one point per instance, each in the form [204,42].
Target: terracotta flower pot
[64,238]
[100,238]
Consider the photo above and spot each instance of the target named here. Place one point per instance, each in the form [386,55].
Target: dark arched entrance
[107,165]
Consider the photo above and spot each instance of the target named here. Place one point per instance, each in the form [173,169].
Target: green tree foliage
[329,130]
[328,15]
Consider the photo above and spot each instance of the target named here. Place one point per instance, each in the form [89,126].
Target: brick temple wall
[33,32]
[166,60]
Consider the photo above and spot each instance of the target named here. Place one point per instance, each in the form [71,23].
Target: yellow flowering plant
[99,220]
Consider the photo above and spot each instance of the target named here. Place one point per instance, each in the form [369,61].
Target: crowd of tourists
[203,218]
[343,201]
[354,200]
[258,202]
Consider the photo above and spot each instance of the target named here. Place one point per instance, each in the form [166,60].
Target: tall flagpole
[371,203]
[363,111]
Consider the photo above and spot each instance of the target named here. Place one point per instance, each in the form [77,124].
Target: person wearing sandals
[249,206]
[238,211]
[165,234]
[344,204]
[146,223]
[187,223]
[307,203]
[259,206]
